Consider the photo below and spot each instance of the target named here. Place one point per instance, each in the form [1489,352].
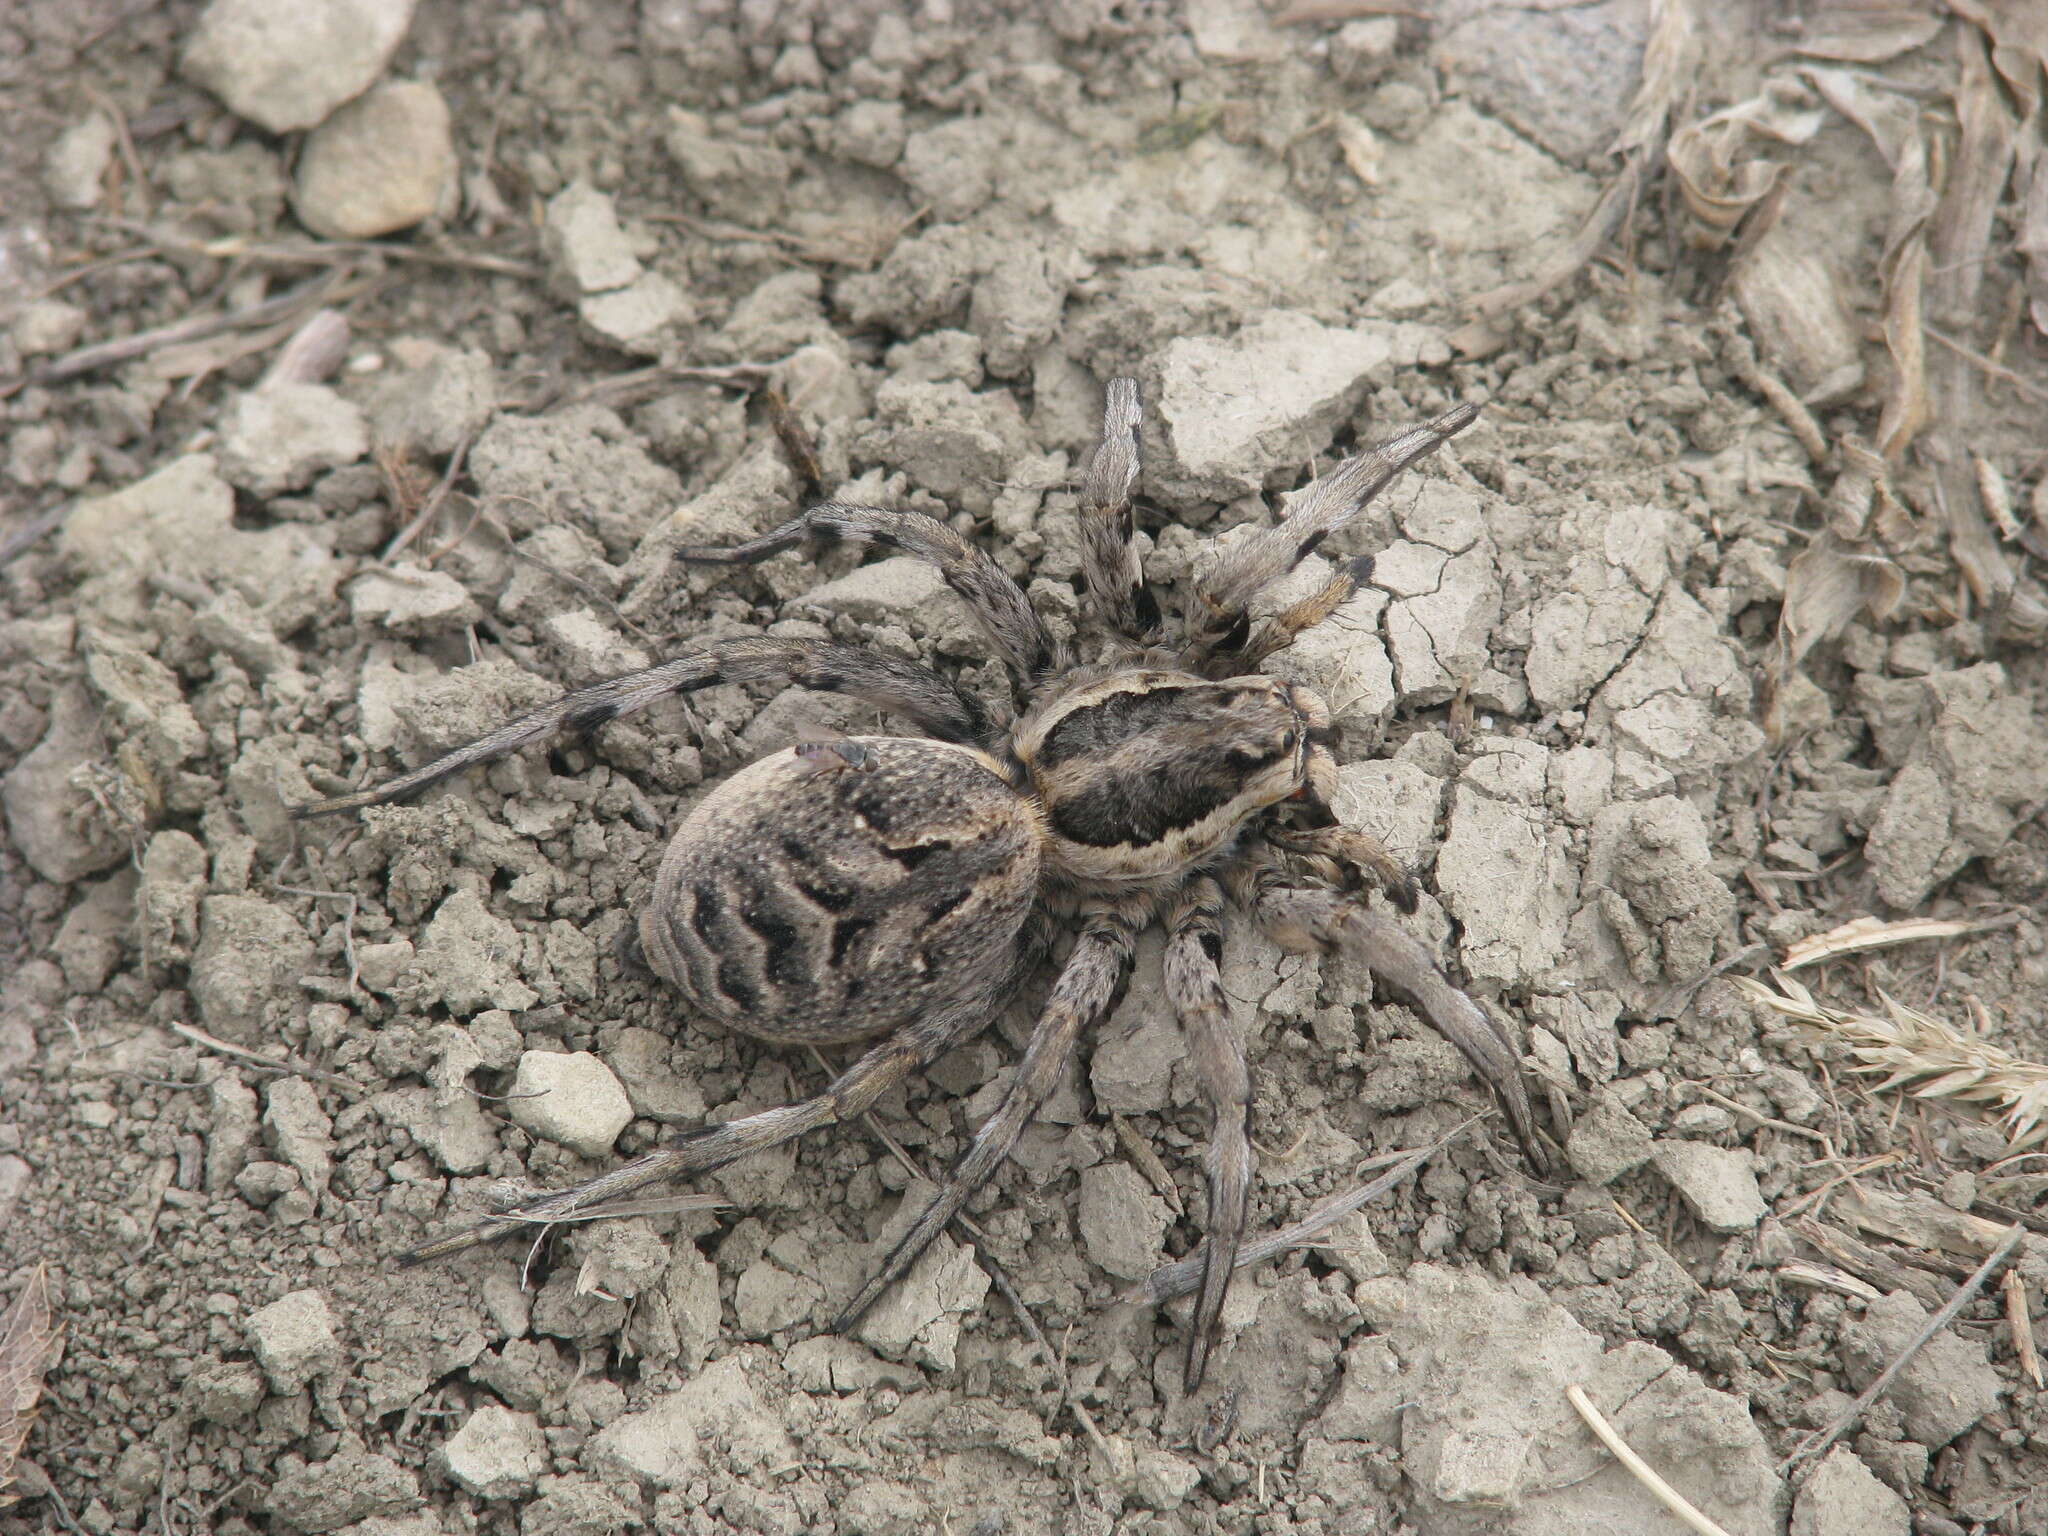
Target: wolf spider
[1153,782]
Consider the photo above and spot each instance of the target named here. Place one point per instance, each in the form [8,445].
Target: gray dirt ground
[942,227]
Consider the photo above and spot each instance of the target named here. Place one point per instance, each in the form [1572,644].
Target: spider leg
[1342,856]
[852,1093]
[1303,919]
[930,703]
[1281,630]
[998,603]
[1221,621]
[1194,988]
[1087,989]
[1109,560]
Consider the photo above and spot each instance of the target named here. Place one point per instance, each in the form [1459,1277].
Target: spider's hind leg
[852,1093]
[1194,988]
[1088,988]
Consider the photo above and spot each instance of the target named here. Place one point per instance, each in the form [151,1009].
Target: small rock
[1122,1222]
[1942,1391]
[349,1486]
[250,955]
[1161,1480]
[472,956]
[50,816]
[768,1299]
[590,647]
[1234,411]
[570,1099]
[439,398]
[575,1508]
[278,438]
[641,1058]
[287,68]
[626,1259]
[587,251]
[1607,1141]
[1702,1122]
[639,318]
[1131,1074]
[411,601]
[1844,1498]
[382,163]
[294,1340]
[461,1137]
[230,1131]
[47,326]
[919,1317]
[88,945]
[895,588]
[75,168]
[497,1454]
[660,1445]
[298,1130]
[1719,1183]
[223,1391]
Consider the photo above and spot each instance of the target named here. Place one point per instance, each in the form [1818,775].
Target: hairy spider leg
[1088,988]
[1305,920]
[1220,622]
[1110,566]
[997,603]
[1194,990]
[851,1094]
[904,688]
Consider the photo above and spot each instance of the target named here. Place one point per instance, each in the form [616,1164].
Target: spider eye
[1287,741]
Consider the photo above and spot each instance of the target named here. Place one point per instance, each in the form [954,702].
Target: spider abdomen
[811,907]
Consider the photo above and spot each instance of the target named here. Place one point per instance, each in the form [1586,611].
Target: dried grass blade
[1867,933]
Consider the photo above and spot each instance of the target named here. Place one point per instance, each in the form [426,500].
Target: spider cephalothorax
[902,887]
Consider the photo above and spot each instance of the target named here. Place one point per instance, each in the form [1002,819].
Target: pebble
[471,955]
[48,326]
[294,1340]
[572,1099]
[1122,1222]
[223,1391]
[408,600]
[1719,1183]
[230,1131]
[50,818]
[347,1487]
[75,168]
[382,163]
[1943,1390]
[281,437]
[497,1454]
[1845,1498]
[436,399]
[586,248]
[639,317]
[1607,1142]
[298,1130]
[250,955]
[286,67]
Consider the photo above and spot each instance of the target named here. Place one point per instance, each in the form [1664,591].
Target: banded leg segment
[852,1093]
[1089,987]
[1306,920]
[930,703]
[1220,621]
[1109,558]
[998,603]
[1194,990]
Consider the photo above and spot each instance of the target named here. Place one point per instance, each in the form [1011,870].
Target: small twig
[1740,354]
[1818,1442]
[2022,1324]
[287,1065]
[1643,1472]
[432,504]
[1140,1152]
[107,354]
[23,538]
[1991,366]
[1759,1116]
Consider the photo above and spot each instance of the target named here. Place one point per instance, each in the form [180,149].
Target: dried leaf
[28,1347]
[1866,933]
[1360,147]
[2032,243]
[1997,494]
[1868,37]
[1714,159]
[2018,30]
[1827,586]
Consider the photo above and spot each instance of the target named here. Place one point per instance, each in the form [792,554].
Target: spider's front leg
[1308,920]
[1109,559]
[1088,989]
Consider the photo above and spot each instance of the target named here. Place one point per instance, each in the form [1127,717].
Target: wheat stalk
[1933,1059]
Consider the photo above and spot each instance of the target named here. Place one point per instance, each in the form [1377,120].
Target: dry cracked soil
[363,365]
